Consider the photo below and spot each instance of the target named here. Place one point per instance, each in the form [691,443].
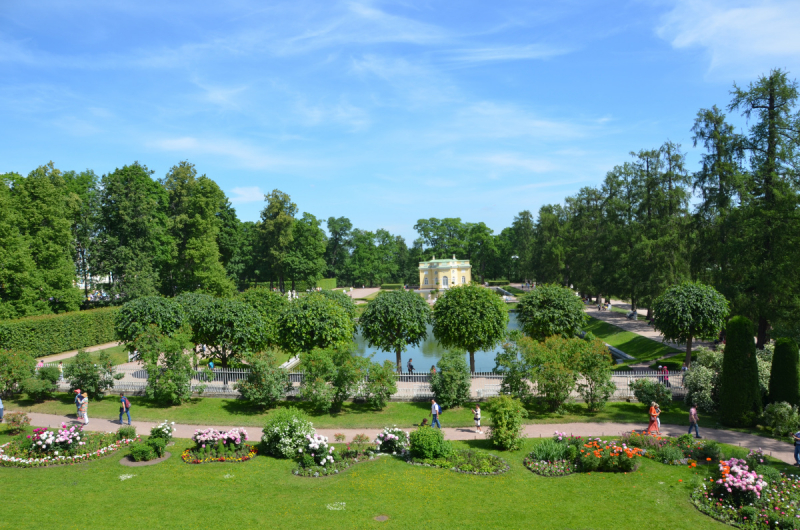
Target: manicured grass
[642,348]
[118,354]
[625,312]
[513,290]
[218,411]
[263,492]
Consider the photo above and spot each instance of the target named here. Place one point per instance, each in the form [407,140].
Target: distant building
[444,273]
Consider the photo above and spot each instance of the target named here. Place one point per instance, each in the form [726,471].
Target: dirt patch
[127,462]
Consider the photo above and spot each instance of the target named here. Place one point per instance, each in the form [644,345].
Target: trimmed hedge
[392,286]
[497,283]
[51,334]
[784,381]
[740,394]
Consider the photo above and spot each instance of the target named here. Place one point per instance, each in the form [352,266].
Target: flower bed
[67,445]
[741,496]
[392,440]
[219,446]
[340,463]
[672,451]
[559,468]
[469,461]
[319,459]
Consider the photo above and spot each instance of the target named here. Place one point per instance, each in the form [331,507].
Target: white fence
[409,386]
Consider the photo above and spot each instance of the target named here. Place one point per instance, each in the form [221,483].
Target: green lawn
[625,312]
[118,355]
[513,290]
[218,411]
[642,348]
[263,492]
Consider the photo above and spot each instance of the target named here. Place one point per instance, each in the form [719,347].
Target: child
[476,413]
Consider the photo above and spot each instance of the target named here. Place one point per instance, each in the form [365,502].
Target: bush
[784,381]
[513,366]
[392,286]
[316,452]
[550,310]
[769,473]
[142,452]
[164,431]
[549,450]
[331,377]
[427,442]
[50,334]
[554,363]
[91,378]
[381,384]
[670,454]
[38,389]
[647,390]
[266,383]
[782,418]
[392,440]
[15,367]
[127,432]
[506,415]
[497,283]
[740,399]
[451,383]
[594,365]
[17,421]
[286,432]
[158,445]
[700,383]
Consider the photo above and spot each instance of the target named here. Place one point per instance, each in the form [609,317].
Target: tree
[228,329]
[305,260]
[549,250]
[266,384]
[343,301]
[524,232]
[554,364]
[469,317]
[689,310]
[506,429]
[739,396]
[594,366]
[18,296]
[338,246]
[451,384]
[331,376]
[83,190]
[169,369]
[134,318]
[276,236]
[90,376]
[15,367]
[784,380]
[42,385]
[270,306]
[550,310]
[381,384]
[314,321]
[394,321]
[514,368]
[234,249]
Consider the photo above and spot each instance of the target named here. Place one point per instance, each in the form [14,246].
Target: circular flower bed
[469,461]
[67,445]
[558,468]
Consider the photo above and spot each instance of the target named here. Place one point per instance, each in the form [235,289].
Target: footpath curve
[780,450]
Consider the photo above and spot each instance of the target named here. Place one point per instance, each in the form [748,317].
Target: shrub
[17,421]
[670,454]
[331,377]
[784,381]
[286,432]
[128,432]
[92,378]
[740,400]
[169,369]
[607,456]
[317,448]
[550,310]
[381,384]
[768,473]
[164,430]
[270,305]
[315,321]
[142,452]
[392,440]
[42,385]
[554,364]
[506,415]
[549,450]
[700,383]
[513,366]
[158,445]
[15,367]
[266,384]
[427,443]
[451,383]
[594,365]
[50,334]
[647,390]
[391,286]
[782,418]
[360,441]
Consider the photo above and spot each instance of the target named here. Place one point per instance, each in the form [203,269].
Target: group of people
[82,407]
[436,410]
[655,420]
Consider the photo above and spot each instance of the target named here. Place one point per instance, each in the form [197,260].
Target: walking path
[73,353]
[780,450]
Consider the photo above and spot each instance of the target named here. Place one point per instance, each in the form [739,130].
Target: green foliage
[506,415]
[142,452]
[228,328]
[784,381]
[158,445]
[15,367]
[740,399]
[314,321]
[17,421]
[550,310]
[41,386]
[270,306]
[451,383]
[331,376]
[344,301]
[594,366]
[647,391]
[392,286]
[394,321]
[687,311]
[782,418]
[381,384]
[514,367]
[549,450]
[285,432]
[701,388]
[427,442]
[496,283]
[166,314]
[94,379]
[126,432]
[49,334]
[169,369]
[471,318]
[554,365]
[266,383]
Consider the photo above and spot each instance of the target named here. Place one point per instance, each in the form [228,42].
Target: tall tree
[276,236]
[233,247]
[18,296]
[85,194]
[305,259]
[524,232]
[396,320]
[549,251]
[337,249]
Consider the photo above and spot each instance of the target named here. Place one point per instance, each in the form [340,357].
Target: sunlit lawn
[642,348]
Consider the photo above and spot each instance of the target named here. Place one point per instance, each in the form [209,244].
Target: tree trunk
[649,314]
[761,336]
[399,361]
[689,352]
[472,362]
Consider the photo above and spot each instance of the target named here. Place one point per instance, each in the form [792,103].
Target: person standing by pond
[410,367]
[435,410]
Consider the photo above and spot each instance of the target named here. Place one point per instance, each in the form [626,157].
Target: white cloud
[495,120]
[511,161]
[243,154]
[745,38]
[246,194]
[506,53]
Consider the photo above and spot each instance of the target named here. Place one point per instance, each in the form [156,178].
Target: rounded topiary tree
[394,321]
[270,306]
[784,377]
[550,310]
[314,321]
[137,315]
[740,395]
[470,318]
[228,328]
[689,310]
[344,301]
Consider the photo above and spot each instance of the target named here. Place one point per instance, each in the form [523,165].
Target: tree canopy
[550,310]
[314,321]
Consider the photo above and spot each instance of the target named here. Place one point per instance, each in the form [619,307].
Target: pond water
[430,351]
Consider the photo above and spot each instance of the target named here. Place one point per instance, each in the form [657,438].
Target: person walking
[85,408]
[658,419]
[653,426]
[476,415]
[665,371]
[435,411]
[2,410]
[693,420]
[124,407]
[60,371]
[796,438]
[410,367]
[78,403]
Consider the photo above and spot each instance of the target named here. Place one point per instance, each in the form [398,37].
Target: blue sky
[383,112]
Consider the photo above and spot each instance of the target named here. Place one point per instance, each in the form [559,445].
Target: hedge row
[50,334]
[497,282]
[391,286]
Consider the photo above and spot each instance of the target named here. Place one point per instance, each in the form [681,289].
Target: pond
[430,351]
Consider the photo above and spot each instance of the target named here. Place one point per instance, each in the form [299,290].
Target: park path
[73,353]
[780,450]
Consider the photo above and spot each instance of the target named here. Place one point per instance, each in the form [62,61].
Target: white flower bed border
[55,460]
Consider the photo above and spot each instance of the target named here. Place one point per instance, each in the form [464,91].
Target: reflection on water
[429,352]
